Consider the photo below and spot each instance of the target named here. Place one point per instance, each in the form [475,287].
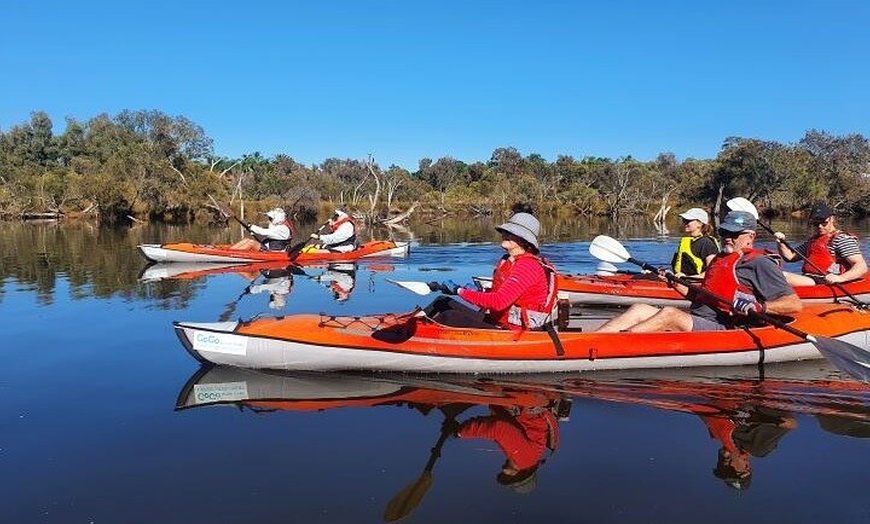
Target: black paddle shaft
[701,289]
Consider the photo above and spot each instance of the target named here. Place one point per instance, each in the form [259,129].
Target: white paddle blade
[421,288]
[742,204]
[608,249]
[850,359]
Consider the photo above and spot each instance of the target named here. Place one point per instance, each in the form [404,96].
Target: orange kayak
[628,288]
[414,342]
[187,252]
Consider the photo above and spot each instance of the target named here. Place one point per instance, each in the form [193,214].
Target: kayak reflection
[521,422]
[748,416]
[747,413]
[276,278]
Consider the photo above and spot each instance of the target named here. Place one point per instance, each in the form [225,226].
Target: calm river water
[105,418]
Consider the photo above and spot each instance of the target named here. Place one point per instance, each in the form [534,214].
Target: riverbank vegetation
[149,166]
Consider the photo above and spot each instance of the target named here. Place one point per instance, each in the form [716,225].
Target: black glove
[450,427]
[448,287]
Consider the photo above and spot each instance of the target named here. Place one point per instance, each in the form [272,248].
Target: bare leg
[636,313]
[794,279]
[246,244]
[667,319]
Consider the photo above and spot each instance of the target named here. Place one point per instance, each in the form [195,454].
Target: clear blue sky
[406,79]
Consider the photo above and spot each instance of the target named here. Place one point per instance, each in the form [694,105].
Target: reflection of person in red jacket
[745,431]
[523,434]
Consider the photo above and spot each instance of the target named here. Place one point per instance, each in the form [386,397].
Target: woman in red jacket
[523,292]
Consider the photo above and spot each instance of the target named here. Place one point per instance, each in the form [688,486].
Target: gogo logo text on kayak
[203,338]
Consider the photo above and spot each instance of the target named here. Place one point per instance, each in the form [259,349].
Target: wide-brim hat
[696,213]
[276,215]
[738,222]
[522,225]
[522,482]
[277,300]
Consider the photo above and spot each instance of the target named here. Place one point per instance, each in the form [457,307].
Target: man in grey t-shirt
[760,287]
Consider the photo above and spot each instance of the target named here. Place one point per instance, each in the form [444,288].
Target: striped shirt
[842,246]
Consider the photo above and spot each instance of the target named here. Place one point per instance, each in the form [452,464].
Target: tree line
[150,166]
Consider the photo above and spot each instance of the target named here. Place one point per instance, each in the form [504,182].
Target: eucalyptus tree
[844,163]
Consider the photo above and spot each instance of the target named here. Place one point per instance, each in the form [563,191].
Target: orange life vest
[819,256]
[334,227]
[721,279]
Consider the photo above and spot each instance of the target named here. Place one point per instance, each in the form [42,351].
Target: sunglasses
[820,222]
[731,234]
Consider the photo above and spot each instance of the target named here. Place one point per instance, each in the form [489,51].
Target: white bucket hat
[524,226]
[696,213]
[276,215]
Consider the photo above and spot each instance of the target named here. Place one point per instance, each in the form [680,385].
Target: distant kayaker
[747,278]
[341,236]
[523,292]
[275,237]
[698,247]
[830,255]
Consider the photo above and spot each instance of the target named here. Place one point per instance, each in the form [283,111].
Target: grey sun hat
[738,221]
[696,213]
[524,226]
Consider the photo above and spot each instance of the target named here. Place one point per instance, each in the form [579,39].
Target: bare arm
[858,270]
[784,305]
[785,252]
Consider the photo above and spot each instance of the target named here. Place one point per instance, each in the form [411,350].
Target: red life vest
[335,225]
[819,256]
[525,313]
[721,279]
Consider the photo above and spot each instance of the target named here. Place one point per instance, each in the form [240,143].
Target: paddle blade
[742,204]
[409,498]
[608,249]
[848,358]
[421,288]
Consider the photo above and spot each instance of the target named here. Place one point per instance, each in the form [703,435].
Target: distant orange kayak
[187,252]
[628,288]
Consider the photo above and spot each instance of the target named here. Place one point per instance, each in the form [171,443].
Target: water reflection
[747,412]
[272,278]
[340,279]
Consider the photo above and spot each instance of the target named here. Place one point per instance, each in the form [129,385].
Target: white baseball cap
[696,213]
